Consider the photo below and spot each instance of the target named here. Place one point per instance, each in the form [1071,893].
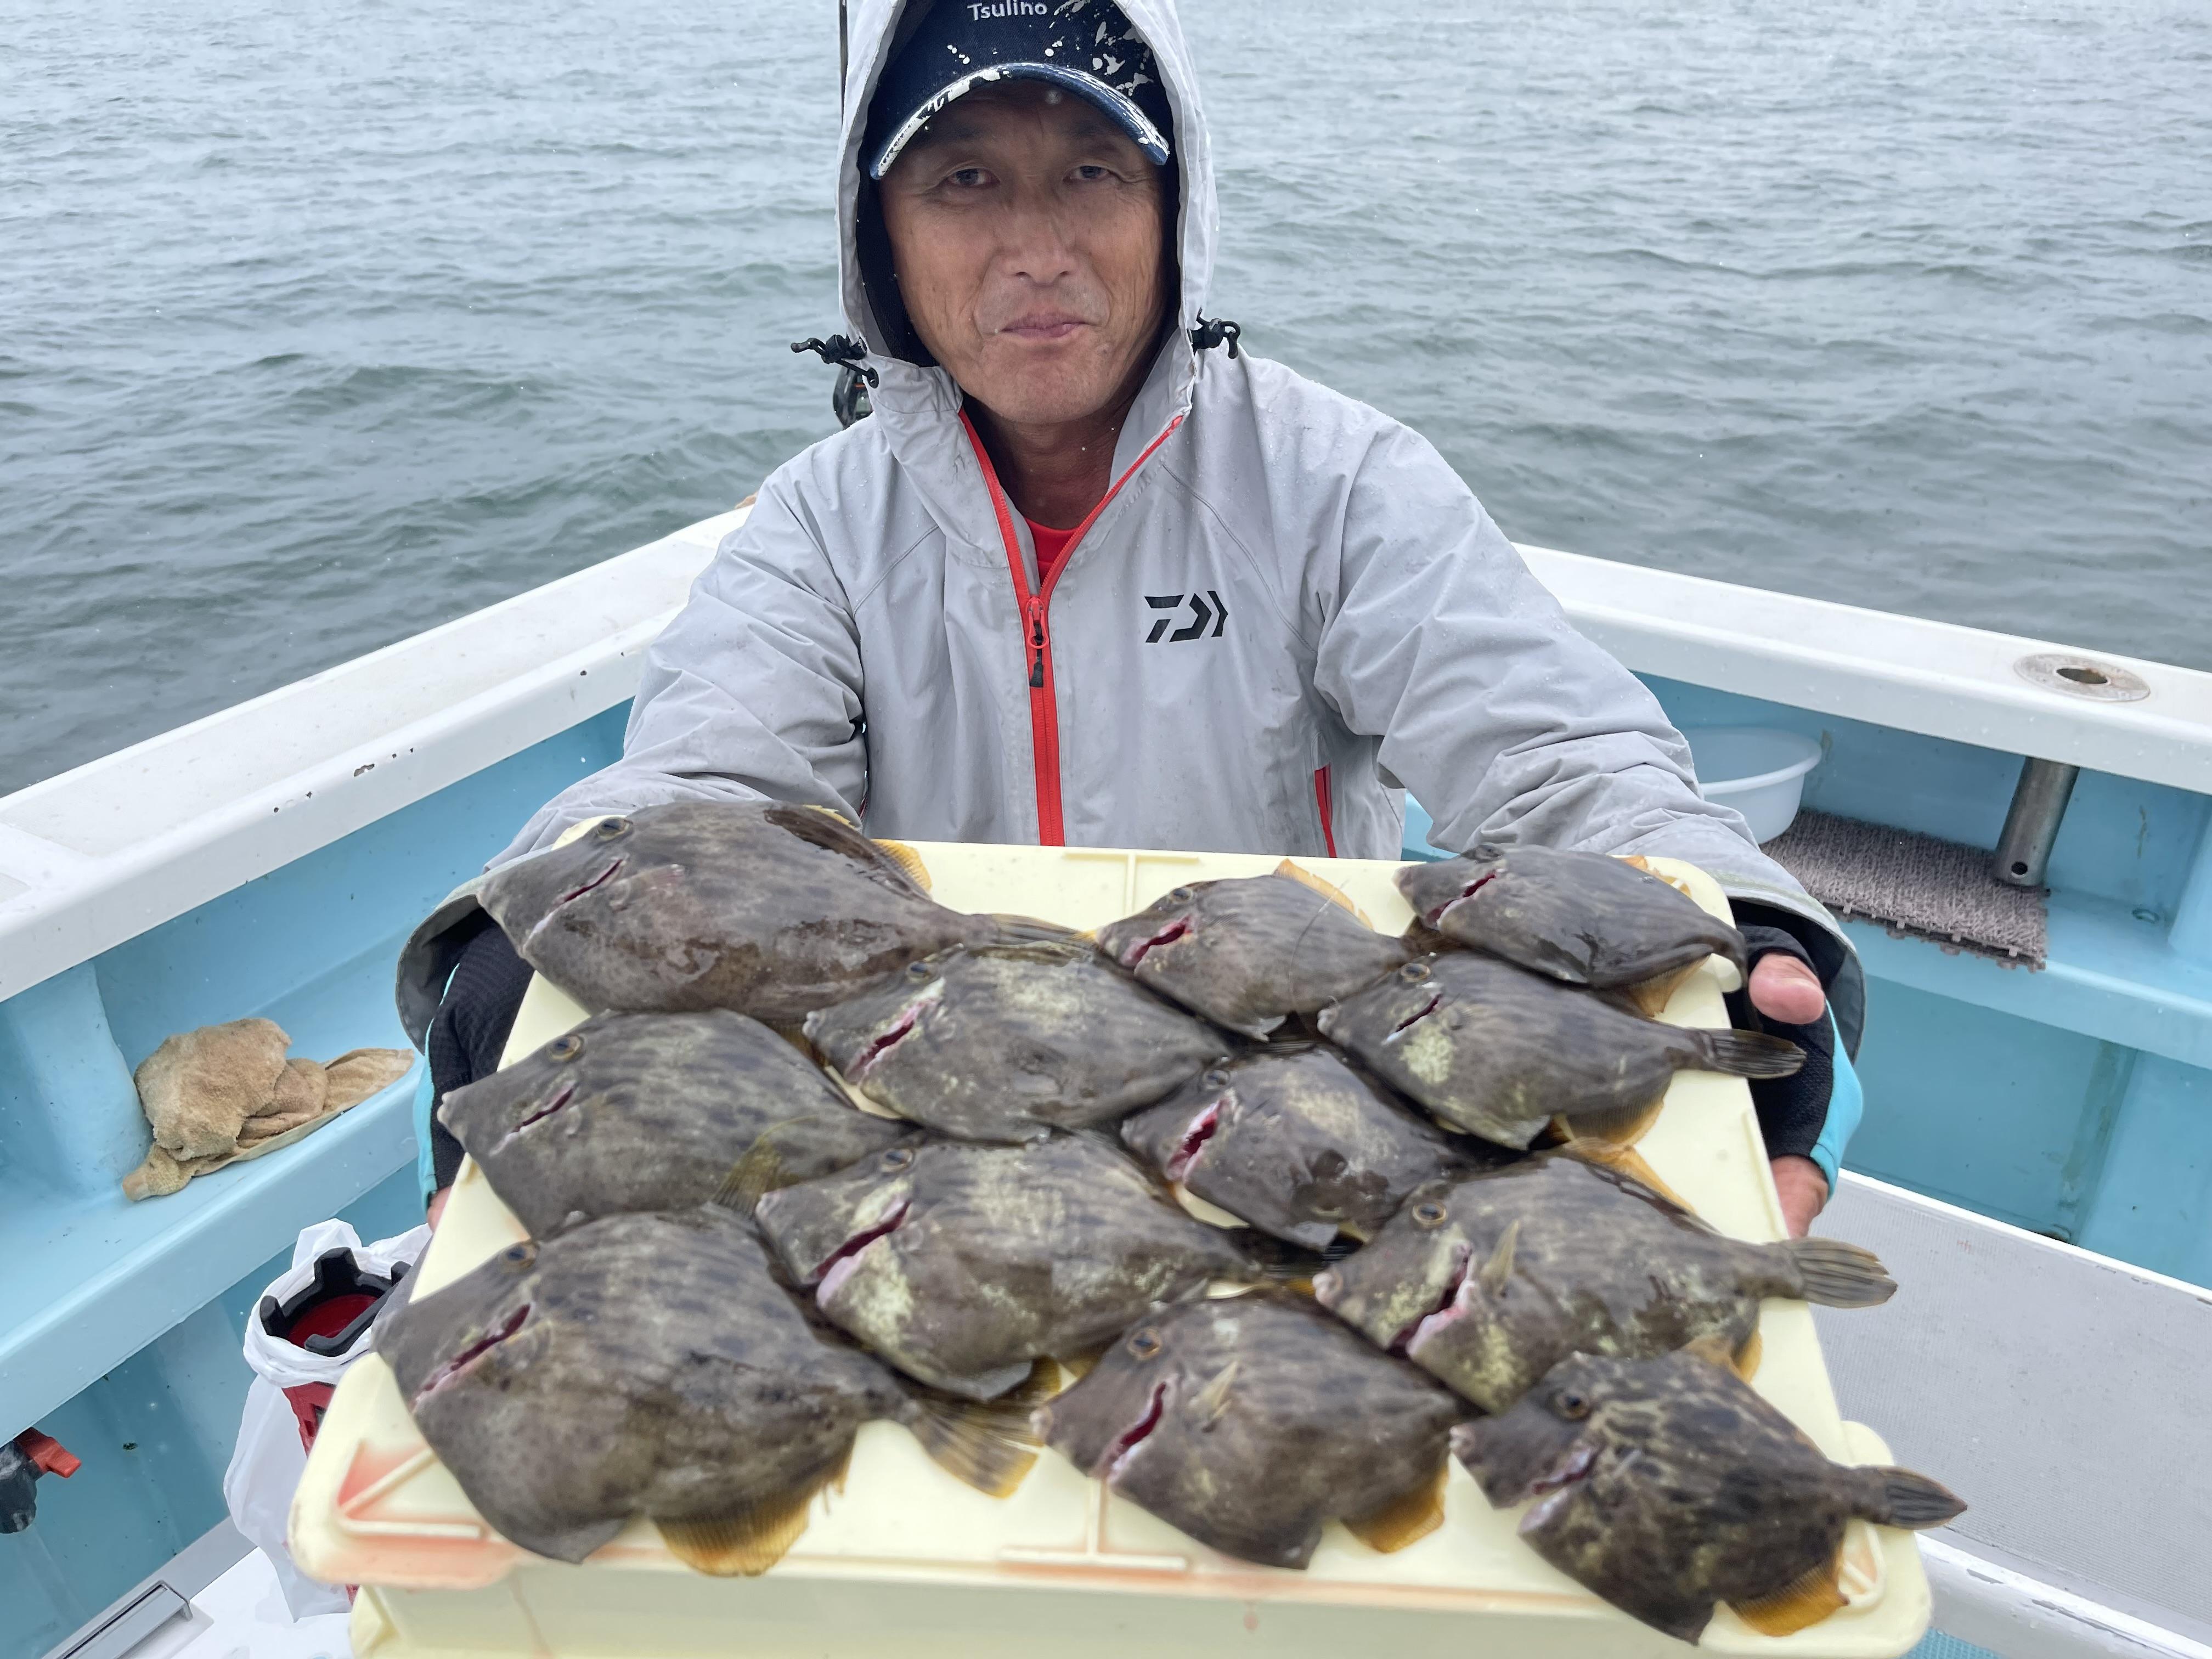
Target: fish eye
[1414,972]
[610,829]
[1145,1344]
[1568,1403]
[1429,1213]
[1182,895]
[898,1157]
[918,970]
[564,1047]
[519,1255]
[1216,1078]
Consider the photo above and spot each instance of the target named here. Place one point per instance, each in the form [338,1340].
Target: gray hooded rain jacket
[1287,611]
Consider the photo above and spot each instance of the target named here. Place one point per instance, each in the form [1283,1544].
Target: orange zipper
[1036,628]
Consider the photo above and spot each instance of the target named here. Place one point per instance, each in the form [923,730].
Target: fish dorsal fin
[1328,890]
[1745,1361]
[1207,1405]
[1804,1601]
[1637,862]
[1715,1350]
[1628,1162]
[1404,1519]
[1493,1274]
[750,1540]
[909,861]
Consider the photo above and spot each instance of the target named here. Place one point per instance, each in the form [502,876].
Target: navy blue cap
[1088,47]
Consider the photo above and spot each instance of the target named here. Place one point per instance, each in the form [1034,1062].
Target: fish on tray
[1248,951]
[631,1112]
[962,1264]
[1582,918]
[1249,1422]
[1489,1280]
[1667,1485]
[1292,1140]
[653,1364]
[1499,1051]
[1009,1043]
[768,909]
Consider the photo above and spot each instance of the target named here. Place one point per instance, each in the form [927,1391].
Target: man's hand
[1785,989]
[1803,1190]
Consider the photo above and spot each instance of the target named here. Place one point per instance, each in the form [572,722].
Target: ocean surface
[319,325]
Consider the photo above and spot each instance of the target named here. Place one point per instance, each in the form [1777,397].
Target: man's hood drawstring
[848,400]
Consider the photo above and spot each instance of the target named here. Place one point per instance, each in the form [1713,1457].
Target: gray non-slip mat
[1915,885]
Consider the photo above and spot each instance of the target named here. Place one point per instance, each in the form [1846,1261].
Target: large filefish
[1489,1280]
[1252,1421]
[768,909]
[652,1365]
[1009,1043]
[1667,1485]
[962,1264]
[631,1112]
[1499,1051]
[1290,1139]
[1248,951]
[1582,918]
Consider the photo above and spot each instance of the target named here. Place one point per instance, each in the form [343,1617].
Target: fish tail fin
[1901,1498]
[1804,1601]
[1839,1275]
[987,1444]
[1746,1054]
[746,1541]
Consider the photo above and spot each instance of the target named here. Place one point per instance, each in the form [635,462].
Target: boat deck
[2062,1394]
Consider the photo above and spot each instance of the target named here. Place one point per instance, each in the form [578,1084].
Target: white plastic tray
[906,1560]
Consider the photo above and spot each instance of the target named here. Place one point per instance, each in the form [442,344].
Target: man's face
[1025,227]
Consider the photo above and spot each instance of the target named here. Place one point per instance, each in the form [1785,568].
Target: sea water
[321,325]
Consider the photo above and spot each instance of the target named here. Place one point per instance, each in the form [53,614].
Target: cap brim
[1131,120]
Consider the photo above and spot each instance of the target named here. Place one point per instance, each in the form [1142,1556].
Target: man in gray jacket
[1087,577]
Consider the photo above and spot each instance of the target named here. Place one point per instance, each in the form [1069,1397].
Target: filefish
[652,1364]
[768,909]
[1290,1139]
[1250,1422]
[1489,1280]
[1248,951]
[631,1112]
[1009,1043]
[963,1264]
[1667,1485]
[1582,918]
[1499,1051]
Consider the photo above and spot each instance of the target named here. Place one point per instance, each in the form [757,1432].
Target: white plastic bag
[268,1462]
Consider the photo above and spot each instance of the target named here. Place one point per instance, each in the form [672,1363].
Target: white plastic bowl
[1757,770]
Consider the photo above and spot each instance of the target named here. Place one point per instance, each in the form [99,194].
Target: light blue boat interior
[2076,1101]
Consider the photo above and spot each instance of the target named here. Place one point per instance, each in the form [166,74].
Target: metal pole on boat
[2031,827]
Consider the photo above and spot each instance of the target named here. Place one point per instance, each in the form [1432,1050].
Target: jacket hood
[872,27]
